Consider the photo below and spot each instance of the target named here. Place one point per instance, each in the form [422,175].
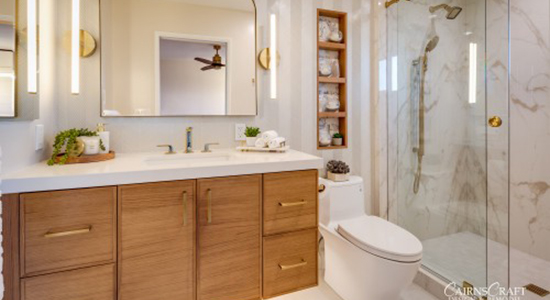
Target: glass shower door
[438,133]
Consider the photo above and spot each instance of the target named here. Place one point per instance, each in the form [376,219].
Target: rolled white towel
[276,143]
[261,143]
[269,135]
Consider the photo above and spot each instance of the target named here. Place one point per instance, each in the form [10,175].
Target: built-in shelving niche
[333,53]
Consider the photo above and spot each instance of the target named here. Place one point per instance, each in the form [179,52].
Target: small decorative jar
[91,145]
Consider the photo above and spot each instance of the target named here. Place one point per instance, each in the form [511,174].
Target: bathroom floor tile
[324,292]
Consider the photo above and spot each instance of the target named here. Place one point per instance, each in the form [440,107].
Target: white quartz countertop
[154,167]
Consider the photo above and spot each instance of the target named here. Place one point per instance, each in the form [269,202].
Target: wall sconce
[75,48]
[269,58]
[472,98]
[32,47]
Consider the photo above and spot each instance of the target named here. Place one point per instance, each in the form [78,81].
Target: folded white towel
[276,143]
[261,143]
[269,135]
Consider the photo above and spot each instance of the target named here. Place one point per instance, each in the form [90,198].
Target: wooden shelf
[332,80]
[332,46]
[333,147]
[339,114]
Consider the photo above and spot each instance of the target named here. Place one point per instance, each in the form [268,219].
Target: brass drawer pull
[50,234]
[185,208]
[209,213]
[289,267]
[291,204]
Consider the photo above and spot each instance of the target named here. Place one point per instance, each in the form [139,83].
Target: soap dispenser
[104,136]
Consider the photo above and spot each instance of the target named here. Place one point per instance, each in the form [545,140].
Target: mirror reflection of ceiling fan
[215,63]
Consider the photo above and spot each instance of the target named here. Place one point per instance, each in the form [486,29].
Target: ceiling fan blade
[208,68]
[202,60]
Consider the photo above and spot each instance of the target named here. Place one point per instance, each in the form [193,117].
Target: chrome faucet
[207,147]
[189,140]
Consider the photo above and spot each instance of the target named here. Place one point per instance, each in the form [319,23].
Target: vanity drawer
[290,262]
[65,230]
[290,201]
[97,283]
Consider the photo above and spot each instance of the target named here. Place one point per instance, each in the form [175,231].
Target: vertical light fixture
[382,76]
[32,47]
[75,48]
[273,56]
[473,74]
[394,73]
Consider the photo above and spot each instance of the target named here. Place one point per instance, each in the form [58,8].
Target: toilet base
[355,274]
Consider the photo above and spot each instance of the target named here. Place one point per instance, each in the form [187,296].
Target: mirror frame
[15,60]
[257,102]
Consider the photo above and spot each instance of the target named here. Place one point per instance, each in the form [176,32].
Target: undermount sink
[188,158]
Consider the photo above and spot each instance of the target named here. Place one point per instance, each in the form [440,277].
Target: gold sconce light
[265,59]
[88,44]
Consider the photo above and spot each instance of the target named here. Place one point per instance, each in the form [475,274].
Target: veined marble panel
[530,130]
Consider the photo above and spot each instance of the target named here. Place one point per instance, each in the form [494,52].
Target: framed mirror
[164,58]
[8,48]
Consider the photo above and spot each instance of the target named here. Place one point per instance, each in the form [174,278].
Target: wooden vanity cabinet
[157,241]
[231,238]
[229,251]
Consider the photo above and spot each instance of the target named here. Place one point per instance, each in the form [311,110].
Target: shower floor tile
[462,256]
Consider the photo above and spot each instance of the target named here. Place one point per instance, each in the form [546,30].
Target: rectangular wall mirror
[7,58]
[178,58]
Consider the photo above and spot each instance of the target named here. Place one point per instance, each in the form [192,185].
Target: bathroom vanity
[220,226]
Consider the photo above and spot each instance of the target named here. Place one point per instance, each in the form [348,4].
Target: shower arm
[392,2]
[433,9]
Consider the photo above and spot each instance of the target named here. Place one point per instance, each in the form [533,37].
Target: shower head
[432,43]
[432,38]
[452,11]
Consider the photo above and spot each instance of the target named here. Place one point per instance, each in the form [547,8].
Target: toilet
[366,257]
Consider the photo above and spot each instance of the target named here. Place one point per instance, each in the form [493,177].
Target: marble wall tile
[530,128]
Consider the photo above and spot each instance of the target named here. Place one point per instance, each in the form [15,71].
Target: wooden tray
[254,149]
[84,159]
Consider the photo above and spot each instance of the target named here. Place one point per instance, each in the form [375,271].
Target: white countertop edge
[39,184]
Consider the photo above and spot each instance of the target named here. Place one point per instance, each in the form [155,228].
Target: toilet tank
[341,200]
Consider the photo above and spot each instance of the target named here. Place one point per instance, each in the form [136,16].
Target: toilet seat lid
[381,238]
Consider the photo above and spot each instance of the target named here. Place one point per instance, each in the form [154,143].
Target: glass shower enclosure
[441,94]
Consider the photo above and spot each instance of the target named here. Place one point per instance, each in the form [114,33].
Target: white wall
[185,90]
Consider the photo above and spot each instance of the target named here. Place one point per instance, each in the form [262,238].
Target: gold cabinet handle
[209,213]
[289,267]
[185,208]
[57,234]
[291,204]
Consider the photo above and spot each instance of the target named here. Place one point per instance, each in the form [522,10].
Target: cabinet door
[157,241]
[229,259]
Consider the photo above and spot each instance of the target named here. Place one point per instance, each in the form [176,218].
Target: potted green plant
[251,134]
[338,171]
[70,143]
[337,139]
